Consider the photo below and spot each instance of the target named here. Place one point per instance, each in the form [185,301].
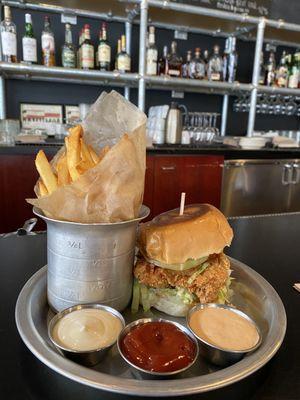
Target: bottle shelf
[195,85]
[68,75]
[278,90]
[117,79]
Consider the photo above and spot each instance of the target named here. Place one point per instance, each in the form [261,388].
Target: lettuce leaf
[135,296]
[225,292]
[175,301]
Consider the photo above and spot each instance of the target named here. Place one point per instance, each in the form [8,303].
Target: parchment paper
[113,190]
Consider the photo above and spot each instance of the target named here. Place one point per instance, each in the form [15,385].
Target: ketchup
[158,347]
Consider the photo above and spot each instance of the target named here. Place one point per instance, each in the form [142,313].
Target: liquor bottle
[29,42]
[282,71]
[293,73]
[79,49]
[270,70]
[206,56]
[68,55]
[197,67]
[297,56]
[48,44]
[206,59]
[215,66]
[262,70]
[174,62]
[8,37]
[104,50]
[232,60]
[152,53]
[117,54]
[163,62]
[124,61]
[96,50]
[226,57]
[87,49]
[186,66]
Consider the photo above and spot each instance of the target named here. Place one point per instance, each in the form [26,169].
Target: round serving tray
[252,294]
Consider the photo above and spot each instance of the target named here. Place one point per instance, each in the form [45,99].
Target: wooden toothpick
[182,201]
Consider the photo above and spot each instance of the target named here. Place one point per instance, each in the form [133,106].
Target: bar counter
[228,152]
[172,169]
[275,256]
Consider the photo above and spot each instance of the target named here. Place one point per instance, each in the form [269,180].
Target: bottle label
[79,59]
[294,78]
[123,63]
[281,81]
[174,72]
[270,78]
[151,62]
[200,71]
[9,43]
[215,76]
[48,44]
[87,56]
[282,77]
[104,53]
[68,58]
[151,38]
[29,49]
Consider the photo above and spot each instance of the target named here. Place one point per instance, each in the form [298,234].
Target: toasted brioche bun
[171,238]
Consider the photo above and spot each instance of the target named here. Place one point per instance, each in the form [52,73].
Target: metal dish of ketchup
[158,348]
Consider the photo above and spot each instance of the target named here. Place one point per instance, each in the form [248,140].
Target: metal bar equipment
[255,75]
[142,56]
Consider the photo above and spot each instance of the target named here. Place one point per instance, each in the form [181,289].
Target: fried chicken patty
[205,285]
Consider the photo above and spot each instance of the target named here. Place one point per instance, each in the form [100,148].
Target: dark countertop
[52,146]
[269,244]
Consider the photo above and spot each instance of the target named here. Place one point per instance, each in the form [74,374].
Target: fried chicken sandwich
[181,260]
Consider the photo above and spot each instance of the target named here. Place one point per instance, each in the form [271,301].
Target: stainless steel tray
[252,294]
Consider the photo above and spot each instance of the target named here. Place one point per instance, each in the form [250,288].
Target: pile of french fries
[77,158]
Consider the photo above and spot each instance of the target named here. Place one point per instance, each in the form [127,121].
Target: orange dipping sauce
[158,347]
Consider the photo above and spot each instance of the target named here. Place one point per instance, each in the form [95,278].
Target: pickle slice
[179,267]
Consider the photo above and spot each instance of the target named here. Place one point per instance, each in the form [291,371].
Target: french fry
[86,159]
[42,189]
[85,153]
[63,176]
[83,166]
[45,171]
[66,143]
[94,155]
[73,151]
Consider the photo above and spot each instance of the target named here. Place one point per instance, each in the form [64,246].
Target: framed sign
[41,116]
[72,114]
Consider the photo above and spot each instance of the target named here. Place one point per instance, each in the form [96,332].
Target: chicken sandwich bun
[181,260]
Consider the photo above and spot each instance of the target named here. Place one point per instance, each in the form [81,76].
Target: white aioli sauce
[87,329]
[224,329]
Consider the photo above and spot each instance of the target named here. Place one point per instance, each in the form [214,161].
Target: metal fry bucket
[90,263]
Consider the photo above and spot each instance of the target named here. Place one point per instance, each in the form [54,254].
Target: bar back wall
[19,91]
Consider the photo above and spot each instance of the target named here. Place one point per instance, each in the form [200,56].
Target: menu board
[260,8]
